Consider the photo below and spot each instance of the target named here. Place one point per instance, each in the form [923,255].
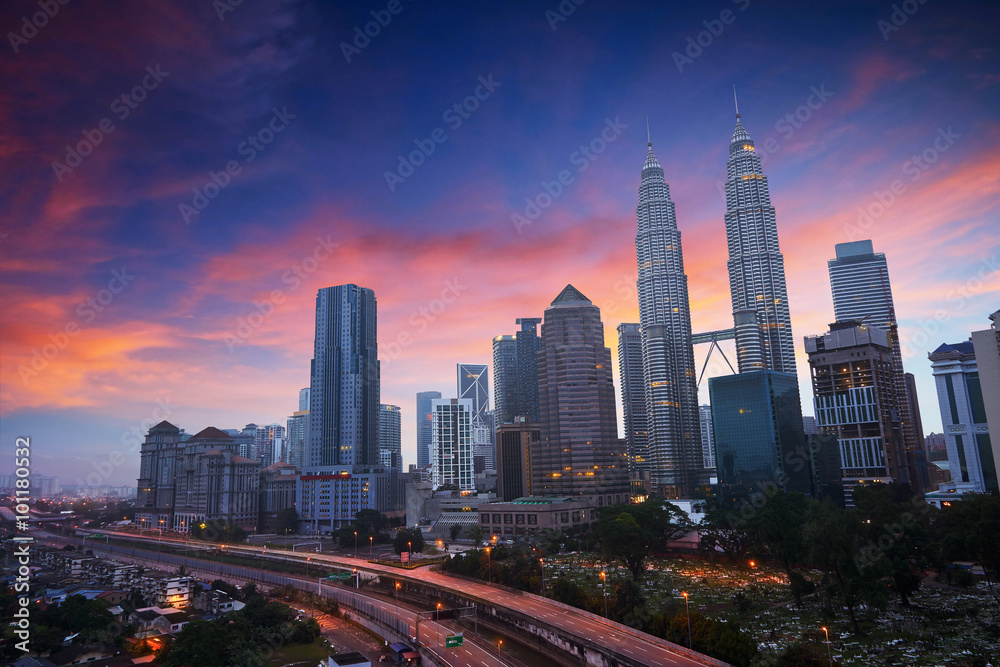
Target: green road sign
[451,641]
[339,575]
[94,535]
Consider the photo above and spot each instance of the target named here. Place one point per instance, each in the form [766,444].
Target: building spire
[736,101]
[649,142]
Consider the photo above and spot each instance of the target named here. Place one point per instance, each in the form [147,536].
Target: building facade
[522,516]
[579,453]
[515,373]
[986,345]
[451,443]
[674,442]
[515,443]
[505,378]
[390,439]
[859,282]
[855,399]
[707,436]
[964,416]
[297,437]
[424,399]
[278,485]
[156,485]
[756,266]
[757,428]
[633,390]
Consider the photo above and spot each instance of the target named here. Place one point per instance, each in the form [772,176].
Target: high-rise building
[514,445]
[304,399]
[757,428]
[971,458]
[633,389]
[707,435]
[855,398]
[298,437]
[809,426]
[424,399]
[158,465]
[342,475]
[344,391]
[390,444]
[986,345]
[451,443]
[859,281]
[473,384]
[675,458]
[515,373]
[756,266]
[579,453]
[505,378]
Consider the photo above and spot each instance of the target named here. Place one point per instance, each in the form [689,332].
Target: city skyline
[208,321]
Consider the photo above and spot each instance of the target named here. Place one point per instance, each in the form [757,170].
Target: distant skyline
[465,164]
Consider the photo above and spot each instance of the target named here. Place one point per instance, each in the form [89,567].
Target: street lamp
[688,609]
[371,544]
[604,587]
[753,568]
[355,544]
[499,646]
[437,621]
[829,654]
[541,562]
[489,564]
[398,586]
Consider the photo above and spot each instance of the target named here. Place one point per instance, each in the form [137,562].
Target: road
[637,646]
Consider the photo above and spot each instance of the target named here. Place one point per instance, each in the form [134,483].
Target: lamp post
[688,610]
[829,654]
[398,586]
[604,588]
[355,544]
[489,564]
[499,646]
[753,568]
[371,544]
[541,561]
[437,621]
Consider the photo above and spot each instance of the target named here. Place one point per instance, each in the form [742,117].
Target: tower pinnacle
[649,142]
[736,101]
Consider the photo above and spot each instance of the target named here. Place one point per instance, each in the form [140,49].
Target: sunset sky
[144,282]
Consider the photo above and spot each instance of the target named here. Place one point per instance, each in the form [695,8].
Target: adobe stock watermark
[563,11]
[900,14]
[22,541]
[787,126]
[132,439]
[713,30]
[925,337]
[31,25]
[87,311]
[223,7]
[122,107]
[581,158]
[249,148]
[293,277]
[420,320]
[454,116]
[915,168]
[372,29]
[795,460]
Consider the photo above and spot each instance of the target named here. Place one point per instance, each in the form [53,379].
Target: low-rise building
[533,513]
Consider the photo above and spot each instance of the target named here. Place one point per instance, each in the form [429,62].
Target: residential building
[156,485]
[390,443]
[298,437]
[451,443]
[855,399]
[670,384]
[579,452]
[971,458]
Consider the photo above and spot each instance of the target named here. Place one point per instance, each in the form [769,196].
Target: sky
[178,179]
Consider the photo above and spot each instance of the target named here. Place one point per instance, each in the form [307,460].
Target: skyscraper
[344,391]
[515,373]
[859,281]
[633,388]
[579,453]
[756,266]
[707,435]
[855,399]
[304,399]
[671,386]
[390,446]
[986,344]
[424,399]
[474,384]
[451,443]
[514,445]
[298,437]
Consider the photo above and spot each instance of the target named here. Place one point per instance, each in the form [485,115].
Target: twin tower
[761,322]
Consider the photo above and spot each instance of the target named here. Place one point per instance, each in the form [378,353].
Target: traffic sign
[339,575]
[451,641]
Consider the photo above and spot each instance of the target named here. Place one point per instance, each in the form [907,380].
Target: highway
[640,647]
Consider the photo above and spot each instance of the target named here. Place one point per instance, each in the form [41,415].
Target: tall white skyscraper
[675,455]
[424,399]
[451,443]
[756,267]
[390,449]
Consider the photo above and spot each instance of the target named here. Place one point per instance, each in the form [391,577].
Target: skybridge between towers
[713,337]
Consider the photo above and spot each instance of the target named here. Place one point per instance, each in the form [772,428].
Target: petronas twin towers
[762,328]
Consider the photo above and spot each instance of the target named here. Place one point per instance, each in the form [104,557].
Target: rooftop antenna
[736,101]
[649,142]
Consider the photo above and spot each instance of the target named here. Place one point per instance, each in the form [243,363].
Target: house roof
[210,433]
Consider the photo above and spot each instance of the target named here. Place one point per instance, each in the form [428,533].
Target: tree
[719,640]
[629,532]
[287,521]
[719,532]
[454,531]
[970,530]
[408,539]
[777,526]
[370,522]
[474,533]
